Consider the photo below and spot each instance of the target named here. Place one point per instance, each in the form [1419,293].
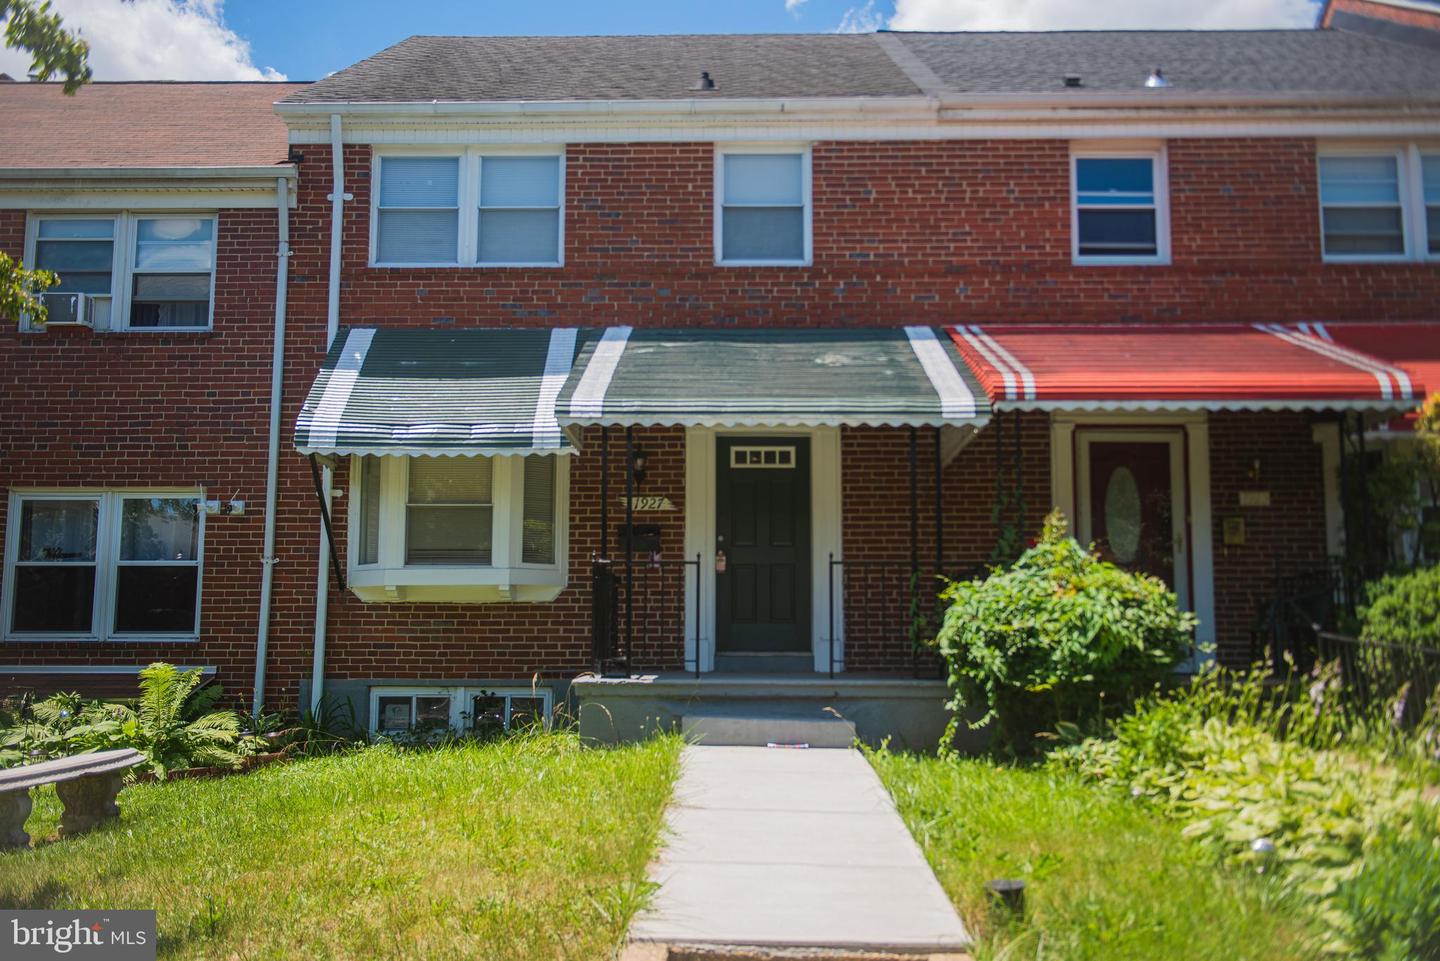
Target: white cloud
[864,19]
[153,40]
[793,6]
[1099,14]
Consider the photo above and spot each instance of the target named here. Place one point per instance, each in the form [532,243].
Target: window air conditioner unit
[69,310]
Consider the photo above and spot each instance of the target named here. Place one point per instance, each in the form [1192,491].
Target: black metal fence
[637,613]
[1376,675]
[891,611]
[1297,607]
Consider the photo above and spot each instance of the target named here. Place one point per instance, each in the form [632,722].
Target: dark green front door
[762,527]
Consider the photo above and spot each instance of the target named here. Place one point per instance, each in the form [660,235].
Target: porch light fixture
[638,459]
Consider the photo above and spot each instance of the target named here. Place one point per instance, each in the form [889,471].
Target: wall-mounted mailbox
[646,538]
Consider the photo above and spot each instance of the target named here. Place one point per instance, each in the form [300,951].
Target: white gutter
[884,106]
[272,464]
[332,326]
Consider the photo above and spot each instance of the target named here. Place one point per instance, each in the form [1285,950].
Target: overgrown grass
[1106,879]
[524,848]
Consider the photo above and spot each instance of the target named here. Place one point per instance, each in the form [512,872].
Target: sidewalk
[793,848]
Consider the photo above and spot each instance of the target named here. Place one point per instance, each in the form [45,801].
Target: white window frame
[507,577]
[1407,176]
[122,276]
[806,198]
[1160,165]
[468,197]
[107,563]
[1418,153]
[460,701]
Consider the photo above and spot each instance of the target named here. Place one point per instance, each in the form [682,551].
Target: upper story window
[128,271]
[104,566]
[458,528]
[762,212]
[1379,204]
[480,208]
[1119,211]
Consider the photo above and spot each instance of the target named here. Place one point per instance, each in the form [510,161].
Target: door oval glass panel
[1122,515]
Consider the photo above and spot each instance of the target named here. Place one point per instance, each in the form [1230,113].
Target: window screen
[419,210]
[538,537]
[763,208]
[1360,206]
[1115,207]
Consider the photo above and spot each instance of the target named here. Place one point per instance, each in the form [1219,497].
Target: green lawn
[526,848]
[1105,879]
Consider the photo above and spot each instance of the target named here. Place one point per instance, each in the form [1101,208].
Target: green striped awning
[429,391]
[901,376]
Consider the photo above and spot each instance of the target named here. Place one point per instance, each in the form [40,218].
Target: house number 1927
[651,503]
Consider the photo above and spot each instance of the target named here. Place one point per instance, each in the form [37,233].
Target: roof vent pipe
[705,82]
[1073,80]
[1156,79]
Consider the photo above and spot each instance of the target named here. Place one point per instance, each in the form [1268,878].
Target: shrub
[1404,609]
[1055,636]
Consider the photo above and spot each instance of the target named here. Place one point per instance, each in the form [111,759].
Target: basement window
[470,710]
[458,529]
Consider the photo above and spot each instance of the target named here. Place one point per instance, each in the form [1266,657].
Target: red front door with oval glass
[1132,503]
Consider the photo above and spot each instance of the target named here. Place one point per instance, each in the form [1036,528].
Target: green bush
[173,724]
[1393,905]
[1404,609]
[1279,779]
[1056,636]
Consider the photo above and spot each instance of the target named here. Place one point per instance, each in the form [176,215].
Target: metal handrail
[608,642]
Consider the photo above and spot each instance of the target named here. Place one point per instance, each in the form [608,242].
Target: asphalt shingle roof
[1197,61]
[616,68]
[459,69]
[159,124]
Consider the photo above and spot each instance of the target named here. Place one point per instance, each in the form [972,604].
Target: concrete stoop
[745,728]
[649,951]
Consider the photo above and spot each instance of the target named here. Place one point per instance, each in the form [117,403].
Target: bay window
[458,529]
[479,207]
[127,271]
[104,566]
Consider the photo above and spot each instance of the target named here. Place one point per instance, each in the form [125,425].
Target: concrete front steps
[706,952]
[816,728]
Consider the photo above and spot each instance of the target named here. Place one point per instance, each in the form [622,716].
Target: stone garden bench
[87,785]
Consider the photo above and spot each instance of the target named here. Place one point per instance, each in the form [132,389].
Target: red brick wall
[1382,11]
[87,409]
[904,233]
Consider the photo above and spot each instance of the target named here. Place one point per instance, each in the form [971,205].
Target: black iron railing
[1298,606]
[891,610]
[637,613]
[1377,675]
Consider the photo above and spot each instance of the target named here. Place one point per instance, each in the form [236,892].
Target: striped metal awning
[430,391]
[726,377]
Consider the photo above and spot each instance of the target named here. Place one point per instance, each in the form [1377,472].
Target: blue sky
[306,39]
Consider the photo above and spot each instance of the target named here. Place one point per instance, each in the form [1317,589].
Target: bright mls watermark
[107,935]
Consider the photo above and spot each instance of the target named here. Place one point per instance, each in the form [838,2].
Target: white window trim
[806,198]
[460,698]
[1407,183]
[1420,237]
[107,553]
[468,198]
[509,577]
[1160,164]
[122,273]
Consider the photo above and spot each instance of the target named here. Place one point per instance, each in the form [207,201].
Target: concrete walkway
[793,848]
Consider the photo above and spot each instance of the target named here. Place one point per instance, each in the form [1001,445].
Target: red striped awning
[1415,347]
[1195,367]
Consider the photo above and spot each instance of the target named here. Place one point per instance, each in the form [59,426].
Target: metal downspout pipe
[332,326]
[272,464]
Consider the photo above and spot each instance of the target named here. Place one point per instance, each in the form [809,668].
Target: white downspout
[332,326]
[272,464]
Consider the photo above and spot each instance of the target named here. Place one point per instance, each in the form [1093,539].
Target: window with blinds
[537,540]
[763,198]
[370,488]
[449,511]
[418,211]
[519,216]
